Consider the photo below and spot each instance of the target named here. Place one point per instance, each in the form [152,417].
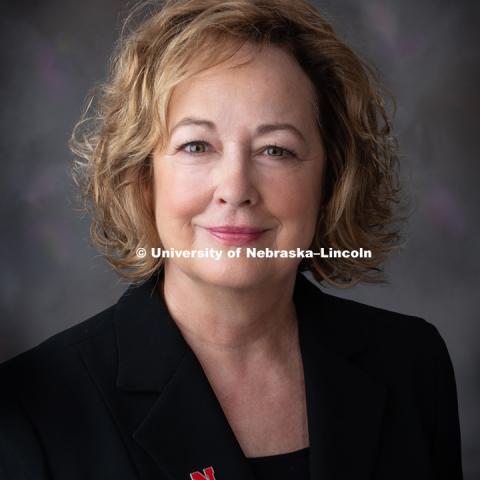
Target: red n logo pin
[208,474]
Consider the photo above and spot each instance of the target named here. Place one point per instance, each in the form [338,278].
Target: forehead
[268,60]
[265,79]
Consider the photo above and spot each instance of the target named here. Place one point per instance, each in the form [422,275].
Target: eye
[276,151]
[194,147]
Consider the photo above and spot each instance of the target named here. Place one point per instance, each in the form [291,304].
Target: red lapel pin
[208,474]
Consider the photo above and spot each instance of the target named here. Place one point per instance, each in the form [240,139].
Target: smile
[235,235]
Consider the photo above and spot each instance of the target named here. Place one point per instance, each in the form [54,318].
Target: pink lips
[230,235]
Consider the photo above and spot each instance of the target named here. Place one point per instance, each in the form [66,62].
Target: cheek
[178,194]
[294,198]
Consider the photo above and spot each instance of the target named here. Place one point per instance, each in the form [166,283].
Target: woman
[226,128]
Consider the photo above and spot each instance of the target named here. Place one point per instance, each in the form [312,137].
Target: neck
[233,330]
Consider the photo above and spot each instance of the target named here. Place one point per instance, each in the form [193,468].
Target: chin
[237,274]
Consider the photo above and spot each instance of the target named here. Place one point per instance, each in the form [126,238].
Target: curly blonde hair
[125,119]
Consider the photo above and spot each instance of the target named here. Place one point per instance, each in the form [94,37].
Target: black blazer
[121,396]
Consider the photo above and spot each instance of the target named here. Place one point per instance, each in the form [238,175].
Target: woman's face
[243,152]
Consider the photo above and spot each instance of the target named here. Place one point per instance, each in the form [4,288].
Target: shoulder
[375,326]
[54,350]
[408,355]
[40,389]
[404,351]
[383,324]
[388,327]
[391,346]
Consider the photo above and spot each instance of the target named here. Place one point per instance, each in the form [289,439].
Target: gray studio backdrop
[51,278]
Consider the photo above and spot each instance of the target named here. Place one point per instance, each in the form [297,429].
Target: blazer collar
[186,430]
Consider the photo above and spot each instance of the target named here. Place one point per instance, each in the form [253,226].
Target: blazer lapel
[344,405]
[185,431]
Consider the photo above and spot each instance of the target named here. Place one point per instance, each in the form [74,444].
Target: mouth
[236,235]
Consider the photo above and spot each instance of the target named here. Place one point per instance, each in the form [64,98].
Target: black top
[284,466]
[122,396]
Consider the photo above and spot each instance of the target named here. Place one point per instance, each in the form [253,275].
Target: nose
[234,180]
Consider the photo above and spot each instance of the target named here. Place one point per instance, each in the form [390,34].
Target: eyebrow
[260,130]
